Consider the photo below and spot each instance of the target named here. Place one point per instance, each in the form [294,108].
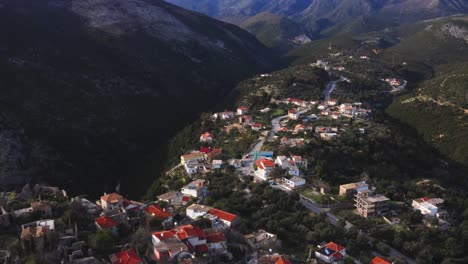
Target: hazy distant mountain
[277,32]
[87,87]
[329,17]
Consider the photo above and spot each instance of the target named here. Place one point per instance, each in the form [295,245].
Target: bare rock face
[93,86]
[456,31]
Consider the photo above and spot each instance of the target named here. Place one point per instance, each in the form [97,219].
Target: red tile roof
[215,238]
[186,199]
[257,125]
[105,222]
[206,135]
[243,108]
[223,215]
[379,260]
[205,150]
[295,100]
[292,111]
[186,231]
[203,248]
[282,260]
[127,257]
[157,212]
[163,235]
[335,247]
[262,163]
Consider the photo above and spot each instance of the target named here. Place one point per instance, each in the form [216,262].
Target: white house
[217,243]
[282,161]
[256,127]
[195,211]
[299,161]
[264,167]
[328,136]
[321,107]
[217,164]
[299,128]
[336,115]
[242,110]
[196,189]
[111,201]
[222,218]
[427,206]
[293,114]
[293,170]
[192,158]
[294,182]
[227,115]
[331,253]
[332,102]
[206,137]
[260,239]
[191,168]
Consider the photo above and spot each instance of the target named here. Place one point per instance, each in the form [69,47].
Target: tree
[277,173]
[141,240]
[102,242]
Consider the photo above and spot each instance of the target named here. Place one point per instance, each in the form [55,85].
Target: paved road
[331,86]
[333,219]
[401,87]
[275,127]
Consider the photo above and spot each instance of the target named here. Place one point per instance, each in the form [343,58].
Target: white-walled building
[427,206]
[196,189]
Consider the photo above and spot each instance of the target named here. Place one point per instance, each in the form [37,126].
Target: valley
[289,131]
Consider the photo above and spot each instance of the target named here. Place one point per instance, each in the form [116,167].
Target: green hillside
[320,48]
[438,110]
[274,31]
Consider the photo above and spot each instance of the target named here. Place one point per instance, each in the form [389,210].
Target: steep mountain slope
[438,107]
[331,17]
[88,87]
[438,110]
[445,40]
[275,31]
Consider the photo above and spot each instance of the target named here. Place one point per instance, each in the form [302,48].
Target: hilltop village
[250,190]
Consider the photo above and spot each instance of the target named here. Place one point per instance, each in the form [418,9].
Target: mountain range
[325,18]
[88,87]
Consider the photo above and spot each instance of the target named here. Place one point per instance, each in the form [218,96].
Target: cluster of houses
[331,109]
[176,243]
[244,119]
[369,204]
[204,160]
[292,166]
[393,81]
[328,109]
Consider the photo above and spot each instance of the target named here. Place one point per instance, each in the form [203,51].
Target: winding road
[331,86]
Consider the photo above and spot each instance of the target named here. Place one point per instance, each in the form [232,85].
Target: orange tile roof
[105,222]
[379,260]
[127,257]
[157,212]
[111,197]
[262,163]
[282,260]
[223,215]
[335,247]
[206,135]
